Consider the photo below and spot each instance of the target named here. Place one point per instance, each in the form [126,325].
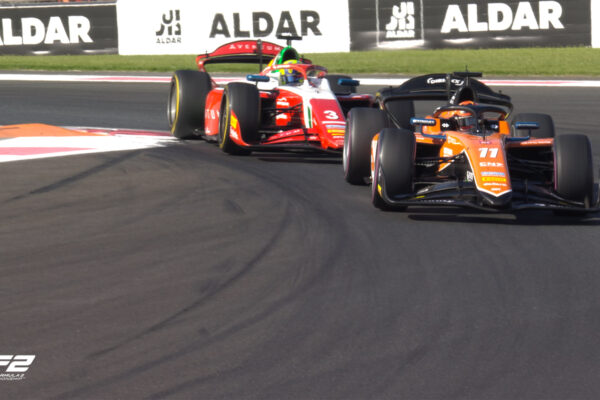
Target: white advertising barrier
[596,23]
[194,27]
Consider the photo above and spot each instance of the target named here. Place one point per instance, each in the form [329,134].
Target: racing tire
[362,124]
[336,87]
[187,99]
[394,169]
[401,111]
[545,121]
[244,100]
[573,168]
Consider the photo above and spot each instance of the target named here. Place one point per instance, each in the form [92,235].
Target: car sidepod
[326,117]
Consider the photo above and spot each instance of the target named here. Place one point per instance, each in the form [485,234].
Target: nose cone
[501,201]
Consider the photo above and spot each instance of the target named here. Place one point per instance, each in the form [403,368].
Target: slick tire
[400,112]
[394,166]
[361,126]
[243,100]
[187,99]
[545,121]
[573,169]
[336,87]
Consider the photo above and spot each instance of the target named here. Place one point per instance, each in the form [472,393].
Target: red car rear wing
[241,51]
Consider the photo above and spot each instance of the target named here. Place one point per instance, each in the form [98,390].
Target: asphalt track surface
[181,272]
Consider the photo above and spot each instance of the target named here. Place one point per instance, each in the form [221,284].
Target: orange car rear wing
[444,87]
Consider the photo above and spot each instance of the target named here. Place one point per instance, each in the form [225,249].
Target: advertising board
[595,21]
[186,27]
[58,29]
[471,23]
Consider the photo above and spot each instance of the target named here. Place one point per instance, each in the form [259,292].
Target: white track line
[105,140]
[364,81]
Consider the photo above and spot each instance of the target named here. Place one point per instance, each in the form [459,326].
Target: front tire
[573,168]
[545,121]
[187,99]
[242,100]
[362,125]
[394,166]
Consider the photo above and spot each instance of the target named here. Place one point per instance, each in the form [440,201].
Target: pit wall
[148,27]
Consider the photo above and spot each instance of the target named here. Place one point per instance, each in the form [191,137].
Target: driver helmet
[465,121]
[290,76]
[287,53]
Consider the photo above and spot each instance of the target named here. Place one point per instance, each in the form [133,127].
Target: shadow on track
[304,158]
[524,218]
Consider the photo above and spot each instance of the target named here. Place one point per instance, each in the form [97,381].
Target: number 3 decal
[330,114]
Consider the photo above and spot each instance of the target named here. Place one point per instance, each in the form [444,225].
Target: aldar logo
[170,28]
[399,23]
[503,17]
[402,21]
[34,31]
[261,24]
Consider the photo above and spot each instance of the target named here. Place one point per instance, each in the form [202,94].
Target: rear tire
[394,166]
[361,126]
[244,100]
[187,99]
[573,168]
[402,111]
[546,129]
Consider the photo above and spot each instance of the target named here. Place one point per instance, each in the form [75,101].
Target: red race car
[291,104]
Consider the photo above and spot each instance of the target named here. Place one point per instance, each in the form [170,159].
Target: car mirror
[510,139]
[257,78]
[423,121]
[348,82]
[527,125]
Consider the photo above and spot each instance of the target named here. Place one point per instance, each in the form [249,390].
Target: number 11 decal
[485,152]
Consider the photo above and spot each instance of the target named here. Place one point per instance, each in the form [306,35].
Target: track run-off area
[172,270]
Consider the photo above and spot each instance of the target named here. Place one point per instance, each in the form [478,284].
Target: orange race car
[466,153]
[291,104]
